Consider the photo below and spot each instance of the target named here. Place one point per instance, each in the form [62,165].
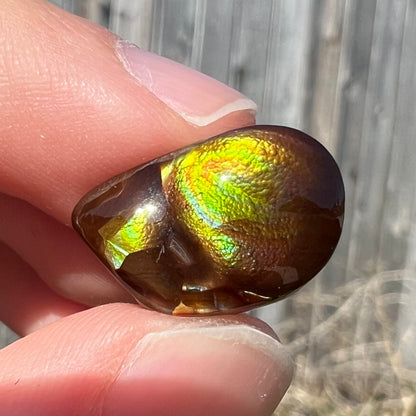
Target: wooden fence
[345,72]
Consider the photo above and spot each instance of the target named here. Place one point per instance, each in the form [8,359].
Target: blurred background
[344,72]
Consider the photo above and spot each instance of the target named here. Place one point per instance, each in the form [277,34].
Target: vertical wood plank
[173,29]
[343,70]
[287,64]
[376,145]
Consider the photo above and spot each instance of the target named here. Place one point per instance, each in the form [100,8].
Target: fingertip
[125,360]
[227,370]
[199,99]
[76,116]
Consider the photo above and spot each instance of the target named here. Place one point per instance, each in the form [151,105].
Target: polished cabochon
[235,222]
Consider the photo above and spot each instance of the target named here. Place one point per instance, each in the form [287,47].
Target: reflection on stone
[223,226]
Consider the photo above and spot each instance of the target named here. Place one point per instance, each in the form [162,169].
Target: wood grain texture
[343,71]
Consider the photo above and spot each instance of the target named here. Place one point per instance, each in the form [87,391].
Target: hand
[77,106]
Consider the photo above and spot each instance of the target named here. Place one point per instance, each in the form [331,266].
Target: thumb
[81,106]
[120,360]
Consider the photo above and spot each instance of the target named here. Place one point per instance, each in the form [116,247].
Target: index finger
[80,106]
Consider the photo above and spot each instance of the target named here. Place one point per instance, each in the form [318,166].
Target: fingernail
[196,97]
[230,370]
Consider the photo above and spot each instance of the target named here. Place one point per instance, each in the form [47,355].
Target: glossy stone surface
[235,222]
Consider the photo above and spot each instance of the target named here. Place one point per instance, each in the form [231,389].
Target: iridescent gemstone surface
[226,225]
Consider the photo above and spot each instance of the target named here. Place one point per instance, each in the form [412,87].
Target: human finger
[79,106]
[56,255]
[26,303]
[121,360]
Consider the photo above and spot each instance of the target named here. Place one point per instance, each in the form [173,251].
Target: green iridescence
[219,190]
[226,186]
[122,237]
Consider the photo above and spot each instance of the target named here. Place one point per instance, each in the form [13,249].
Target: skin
[71,117]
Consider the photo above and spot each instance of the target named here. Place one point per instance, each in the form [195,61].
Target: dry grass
[355,349]
[358,356]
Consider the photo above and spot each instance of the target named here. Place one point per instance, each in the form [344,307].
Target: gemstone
[238,221]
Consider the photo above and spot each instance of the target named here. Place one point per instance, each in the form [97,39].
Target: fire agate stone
[235,222]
